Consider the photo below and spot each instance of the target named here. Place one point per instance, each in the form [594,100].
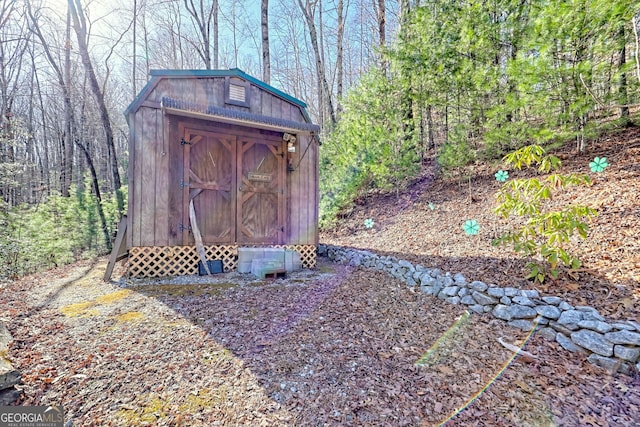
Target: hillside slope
[406,226]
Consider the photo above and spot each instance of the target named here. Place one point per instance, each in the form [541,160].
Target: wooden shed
[240,153]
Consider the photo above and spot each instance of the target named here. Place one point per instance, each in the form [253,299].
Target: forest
[394,85]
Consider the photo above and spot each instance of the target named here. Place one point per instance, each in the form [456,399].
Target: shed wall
[156,163]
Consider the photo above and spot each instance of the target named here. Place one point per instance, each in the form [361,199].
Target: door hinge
[184,184]
[183,142]
[182,227]
[282,229]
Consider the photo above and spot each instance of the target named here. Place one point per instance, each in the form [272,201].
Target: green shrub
[543,235]
[56,232]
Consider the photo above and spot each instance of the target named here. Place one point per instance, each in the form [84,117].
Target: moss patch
[131,316]
[185,290]
[87,308]
[81,309]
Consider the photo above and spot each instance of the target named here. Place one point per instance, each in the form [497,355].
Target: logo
[31,416]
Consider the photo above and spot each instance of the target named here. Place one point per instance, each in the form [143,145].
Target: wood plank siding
[160,186]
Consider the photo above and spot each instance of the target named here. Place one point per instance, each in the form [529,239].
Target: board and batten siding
[157,159]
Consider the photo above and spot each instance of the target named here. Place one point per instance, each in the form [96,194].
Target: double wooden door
[236,184]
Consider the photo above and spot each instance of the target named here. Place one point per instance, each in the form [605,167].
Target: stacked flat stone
[614,345]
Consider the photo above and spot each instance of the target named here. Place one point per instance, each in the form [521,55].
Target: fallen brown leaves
[609,279]
[336,347]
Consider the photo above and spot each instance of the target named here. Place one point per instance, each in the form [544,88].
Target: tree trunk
[203,19]
[266,60]
[381,14]
[339,55]
[79,24]
[323,85]
[622,89]
[96,190]
[67,163]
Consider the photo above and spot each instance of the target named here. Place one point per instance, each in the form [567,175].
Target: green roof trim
[156,75]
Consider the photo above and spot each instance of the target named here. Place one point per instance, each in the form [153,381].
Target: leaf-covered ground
[333,347]
[336,346]
[406,226]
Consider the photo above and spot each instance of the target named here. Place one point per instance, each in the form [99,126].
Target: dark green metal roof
[233,72]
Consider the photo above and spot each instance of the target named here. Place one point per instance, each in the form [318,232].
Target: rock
[5,338]
[505,300]
[428,290]
[487,308]
[445,280]
[530,293]
[478,286]
[453,300]
[477,308]
[468,300]
[502,312]
[407,265]
[547,333]
[426,280]
[570,319]
[623,337]
[522,312]
[541,320]
[595,325]
[436,288]
[623,326]
[566,343]
[626,353]
[9,396]
[525,325]
[496,292]
[593,341]
[522,300]
[322,250]
[463,292]
[608,363]
[634,324]
[450,291]
[552,300]
[510,292]
[565,306]
[410,281]
[593,315]
[459,278]
[8,376]
[558,327]
[548,311]
[483,299]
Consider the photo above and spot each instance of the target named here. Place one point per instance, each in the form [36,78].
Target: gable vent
[237,93]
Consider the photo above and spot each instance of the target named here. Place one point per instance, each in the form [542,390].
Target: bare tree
[80,27]
[308,10]
[339,53]
[203,15]
[266,60]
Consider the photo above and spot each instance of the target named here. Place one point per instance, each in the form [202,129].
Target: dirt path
[335,346]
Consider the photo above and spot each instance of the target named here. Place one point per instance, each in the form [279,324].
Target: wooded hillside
[391,83]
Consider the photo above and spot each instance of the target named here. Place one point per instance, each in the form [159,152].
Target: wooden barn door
[260,202]
[210,181]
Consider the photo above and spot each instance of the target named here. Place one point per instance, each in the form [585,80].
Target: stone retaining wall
[614,345]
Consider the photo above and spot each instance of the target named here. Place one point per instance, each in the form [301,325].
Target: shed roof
[157,75]
[211,112]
